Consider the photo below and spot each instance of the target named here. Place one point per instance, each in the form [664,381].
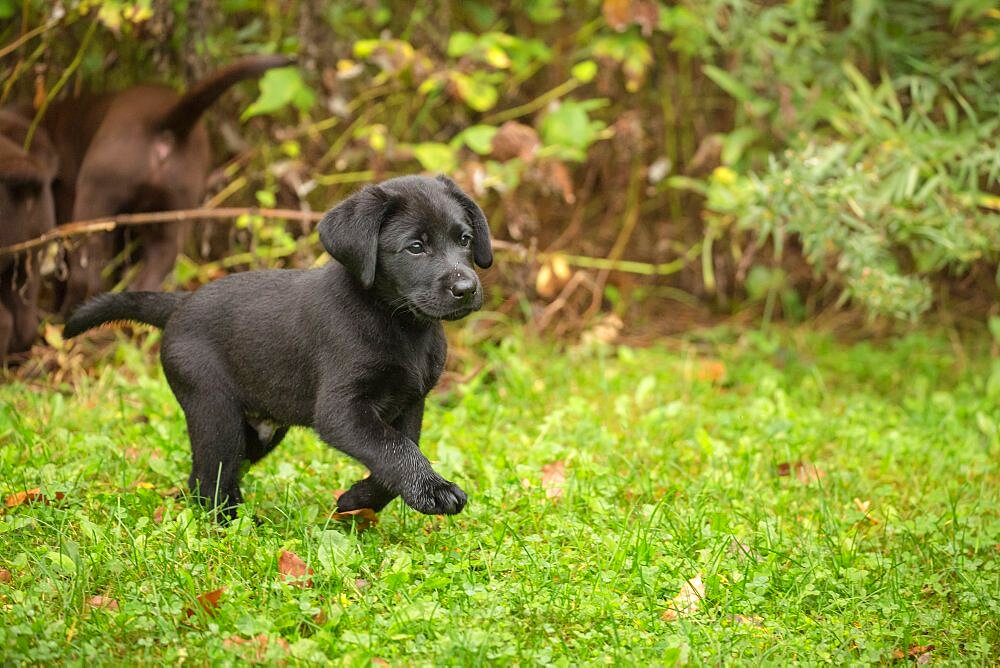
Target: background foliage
[720,153]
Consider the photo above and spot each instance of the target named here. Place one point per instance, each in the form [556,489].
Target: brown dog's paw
[436,496]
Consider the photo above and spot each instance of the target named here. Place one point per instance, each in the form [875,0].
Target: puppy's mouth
[431,312]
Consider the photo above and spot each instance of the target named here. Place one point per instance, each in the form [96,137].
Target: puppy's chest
[403,381]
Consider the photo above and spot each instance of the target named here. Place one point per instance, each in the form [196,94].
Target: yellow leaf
[687,599]
[53,336]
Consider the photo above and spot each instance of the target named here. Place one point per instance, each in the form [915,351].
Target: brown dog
[26,211]
[139,150]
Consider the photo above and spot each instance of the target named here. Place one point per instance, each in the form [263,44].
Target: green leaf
[435,157]
[62,562]
[570,128]
[266,199]
[365,47]
[474,91]
[459,44]
[994,324]
[7,8]
[278,89]
[585,71]
[479,138]
[729,83]
[544,11]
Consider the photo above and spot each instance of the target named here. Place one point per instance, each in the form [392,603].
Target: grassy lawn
[734,499]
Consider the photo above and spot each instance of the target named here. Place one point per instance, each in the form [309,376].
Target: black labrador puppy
[350,349]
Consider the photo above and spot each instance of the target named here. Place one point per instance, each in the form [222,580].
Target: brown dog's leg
[84,271]
[25,312]
[95,198]
[160,245]
[6,328]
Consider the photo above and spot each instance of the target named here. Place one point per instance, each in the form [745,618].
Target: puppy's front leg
[397,466]
[369,492]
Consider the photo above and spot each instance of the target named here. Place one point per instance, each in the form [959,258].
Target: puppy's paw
[435,496]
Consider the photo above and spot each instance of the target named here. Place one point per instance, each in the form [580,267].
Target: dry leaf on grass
[30,496]
[554,479]
[258,644]
[5,575]
[209,601]
[132,454]
[749,620]
[158,514]
[920,653]
[293,570]
[687,600]
[363,518]
[805,472]
[102,602]
[712,371]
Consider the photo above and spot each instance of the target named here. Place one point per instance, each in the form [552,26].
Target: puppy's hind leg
[218,445]
[215,422]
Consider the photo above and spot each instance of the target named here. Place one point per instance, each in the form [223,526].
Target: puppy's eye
[416,248]
[465,239]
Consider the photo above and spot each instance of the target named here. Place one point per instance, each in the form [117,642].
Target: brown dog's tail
[186,111]
[151,308]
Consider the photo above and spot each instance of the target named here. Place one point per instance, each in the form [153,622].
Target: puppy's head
[415,240]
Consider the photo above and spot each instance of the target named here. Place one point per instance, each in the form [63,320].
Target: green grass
[671,472]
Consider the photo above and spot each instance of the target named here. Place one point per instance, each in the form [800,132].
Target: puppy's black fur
[350,349]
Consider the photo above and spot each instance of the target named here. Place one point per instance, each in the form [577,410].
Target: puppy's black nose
[463,288]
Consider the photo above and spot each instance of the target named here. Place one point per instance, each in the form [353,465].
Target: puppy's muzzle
[463,290]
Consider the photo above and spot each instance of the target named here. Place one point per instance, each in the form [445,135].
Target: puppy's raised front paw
[435,496]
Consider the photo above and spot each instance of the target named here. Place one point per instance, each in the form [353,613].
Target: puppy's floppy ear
[349,231]
[482,249]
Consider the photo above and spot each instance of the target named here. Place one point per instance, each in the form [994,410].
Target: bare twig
[13,46]
[84,227]
[520,252]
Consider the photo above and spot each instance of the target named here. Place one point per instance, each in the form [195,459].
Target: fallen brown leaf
[712,371]
[5,575]
[337,493]
[363,518]
[379,661]
[293,569]
[209,601]
[809,473]
[102,602]
[921,653]
[158,514]
[28,497]
[554,479]
[805,472]
[687,599]
[132,454]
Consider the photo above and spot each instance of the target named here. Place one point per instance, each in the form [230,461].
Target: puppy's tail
[180,118]
[151,308]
